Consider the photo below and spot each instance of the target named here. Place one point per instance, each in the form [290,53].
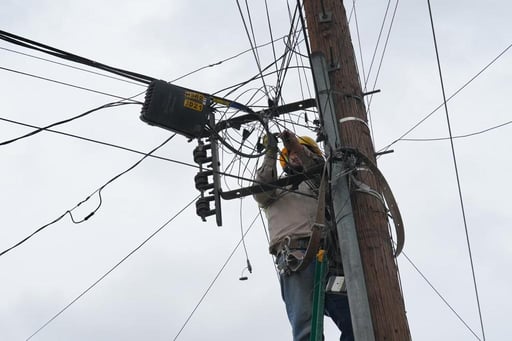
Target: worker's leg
[297,293]
[337,308]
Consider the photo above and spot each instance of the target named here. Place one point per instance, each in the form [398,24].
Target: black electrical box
[171,107]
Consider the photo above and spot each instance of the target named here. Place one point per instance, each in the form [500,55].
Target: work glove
[270,144]
[290,141]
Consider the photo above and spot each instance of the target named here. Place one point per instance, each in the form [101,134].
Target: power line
[113,268]
[182,163]
[377,44]
[174,80]
[449,98]
[71,66]
[99,142]
[38,130]
[62,83]
[386,43]
[70,211]
[215,279]
[270,31]
[257,76]
[31,44]
[439,294]
[359,42]
[291,45]
[224,60]
[370,99]
[456,171]
[254,50]
[459,136]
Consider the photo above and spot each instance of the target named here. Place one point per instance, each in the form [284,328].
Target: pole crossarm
[263,187]
[236,122]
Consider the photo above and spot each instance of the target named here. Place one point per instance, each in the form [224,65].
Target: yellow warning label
[193,105]
[194,96]
[220,101]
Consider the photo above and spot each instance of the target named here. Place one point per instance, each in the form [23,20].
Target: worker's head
[291,160]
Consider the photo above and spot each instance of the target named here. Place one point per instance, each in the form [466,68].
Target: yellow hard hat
[303,140]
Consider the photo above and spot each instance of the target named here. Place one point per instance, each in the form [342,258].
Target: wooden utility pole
[329,35]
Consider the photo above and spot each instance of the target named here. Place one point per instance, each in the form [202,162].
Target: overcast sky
[151,295]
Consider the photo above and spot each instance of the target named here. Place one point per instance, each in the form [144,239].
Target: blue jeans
[297,293]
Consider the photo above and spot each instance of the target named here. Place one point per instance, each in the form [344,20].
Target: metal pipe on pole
[375,297]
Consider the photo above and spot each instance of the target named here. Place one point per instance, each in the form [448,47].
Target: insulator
[201,180]
[200,155]
[203,207]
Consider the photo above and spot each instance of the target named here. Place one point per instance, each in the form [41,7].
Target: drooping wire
[249,266]
[456,171]
[479,73]
[214,280]
[38,130]
[113,268]
[265,230]
[70,211]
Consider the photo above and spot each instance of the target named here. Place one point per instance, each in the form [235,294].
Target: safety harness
[296,260]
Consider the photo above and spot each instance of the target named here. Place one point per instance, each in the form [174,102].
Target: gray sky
[151,294]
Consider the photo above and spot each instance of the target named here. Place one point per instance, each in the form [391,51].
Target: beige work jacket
[290,211]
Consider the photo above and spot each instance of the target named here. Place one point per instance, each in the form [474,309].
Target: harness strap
[300,260]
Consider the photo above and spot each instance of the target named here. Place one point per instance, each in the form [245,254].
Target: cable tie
[89,215]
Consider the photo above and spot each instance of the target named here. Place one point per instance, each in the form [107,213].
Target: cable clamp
[351,118]
[364,188]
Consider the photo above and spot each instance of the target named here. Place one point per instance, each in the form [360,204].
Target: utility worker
[291,213]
